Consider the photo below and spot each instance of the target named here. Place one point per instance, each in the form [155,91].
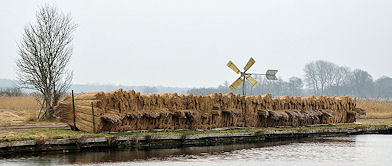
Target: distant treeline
[11,91]
[321,78]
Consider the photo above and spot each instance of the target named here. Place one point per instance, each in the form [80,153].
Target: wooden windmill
[270,75]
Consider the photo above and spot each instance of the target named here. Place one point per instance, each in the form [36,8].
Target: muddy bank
[127,110]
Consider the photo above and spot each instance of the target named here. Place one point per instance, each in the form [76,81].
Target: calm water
[349,150]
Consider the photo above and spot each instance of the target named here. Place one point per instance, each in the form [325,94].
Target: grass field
[42,134]
[23,110]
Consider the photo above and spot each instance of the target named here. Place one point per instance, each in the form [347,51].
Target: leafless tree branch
[45,51]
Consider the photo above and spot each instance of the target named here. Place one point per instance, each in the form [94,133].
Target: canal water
[347,150]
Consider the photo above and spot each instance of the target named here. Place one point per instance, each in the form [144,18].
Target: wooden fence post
[73,108]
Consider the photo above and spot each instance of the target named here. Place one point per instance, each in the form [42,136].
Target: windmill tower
[270,75]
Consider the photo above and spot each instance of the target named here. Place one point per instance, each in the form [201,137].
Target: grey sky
[188,43]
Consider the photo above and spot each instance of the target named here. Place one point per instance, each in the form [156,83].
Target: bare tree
[311,77]
[384,87]
[342,76]
[320,75]
[45,51]
[296,86]
[362,83]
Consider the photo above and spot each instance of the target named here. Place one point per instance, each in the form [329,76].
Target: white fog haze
[188,43]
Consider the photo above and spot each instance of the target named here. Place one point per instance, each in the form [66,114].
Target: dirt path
[36,127]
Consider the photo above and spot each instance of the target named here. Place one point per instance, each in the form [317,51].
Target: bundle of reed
[128,110]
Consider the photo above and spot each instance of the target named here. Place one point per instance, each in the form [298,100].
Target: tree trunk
[49,108]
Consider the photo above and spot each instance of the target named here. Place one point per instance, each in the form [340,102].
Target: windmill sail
[249,64]
[252,81]
[233,67]
[235,84]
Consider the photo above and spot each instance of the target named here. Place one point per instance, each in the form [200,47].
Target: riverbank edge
[173,141]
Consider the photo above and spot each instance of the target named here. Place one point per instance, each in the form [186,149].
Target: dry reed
[129,110]
[376,108]
[19,110]
[18,103]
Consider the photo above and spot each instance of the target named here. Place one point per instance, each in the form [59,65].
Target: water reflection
[360,149]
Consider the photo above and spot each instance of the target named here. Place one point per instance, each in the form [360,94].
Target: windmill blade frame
[249,64]
[236,83]
[233,67]
[252,81]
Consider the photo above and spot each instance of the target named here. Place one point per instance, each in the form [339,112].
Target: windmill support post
[244,77]
[243,85]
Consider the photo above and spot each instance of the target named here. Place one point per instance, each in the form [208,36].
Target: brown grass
[20,110]
[376,108]
[18,103]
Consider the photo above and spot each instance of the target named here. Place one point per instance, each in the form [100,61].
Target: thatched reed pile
[127,110]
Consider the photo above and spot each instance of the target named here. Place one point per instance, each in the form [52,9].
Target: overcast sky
[188,43]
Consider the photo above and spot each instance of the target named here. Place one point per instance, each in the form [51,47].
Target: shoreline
[181,138]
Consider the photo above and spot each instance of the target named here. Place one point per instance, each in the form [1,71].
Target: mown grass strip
[43,134]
